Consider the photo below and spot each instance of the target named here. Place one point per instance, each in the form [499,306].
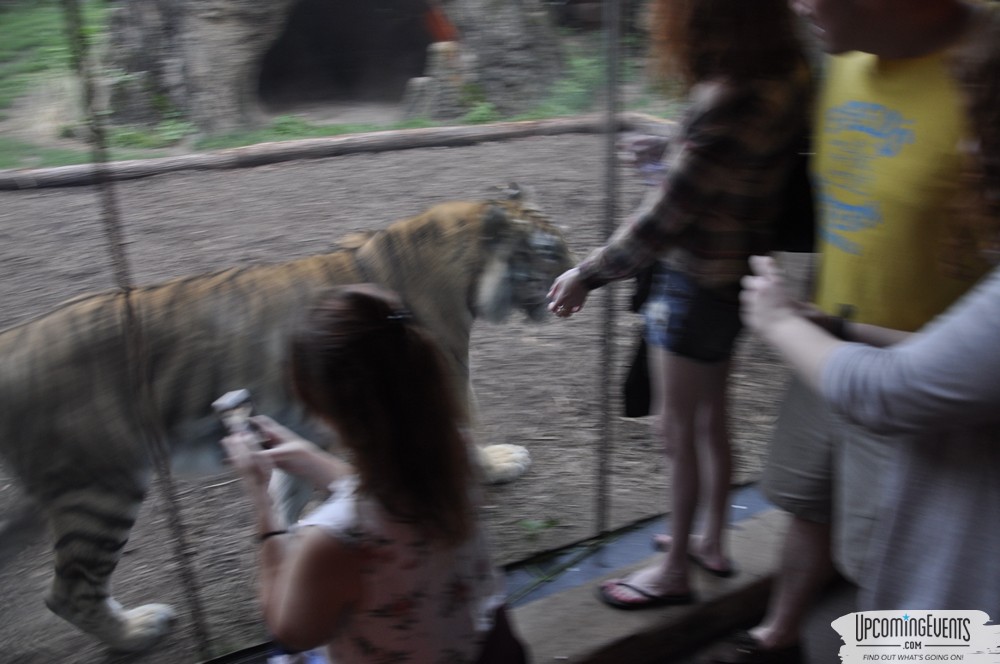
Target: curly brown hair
[973,243]
[364,365]
[695,40]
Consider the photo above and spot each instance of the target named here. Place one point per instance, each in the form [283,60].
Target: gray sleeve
[948,374]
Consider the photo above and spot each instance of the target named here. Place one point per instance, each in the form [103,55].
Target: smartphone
[235,410]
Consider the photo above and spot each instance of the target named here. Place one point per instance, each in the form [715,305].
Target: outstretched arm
[942,376]
[568,294]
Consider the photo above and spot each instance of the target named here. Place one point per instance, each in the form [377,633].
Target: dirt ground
[537,385]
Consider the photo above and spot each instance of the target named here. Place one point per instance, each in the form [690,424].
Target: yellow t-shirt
[886,171]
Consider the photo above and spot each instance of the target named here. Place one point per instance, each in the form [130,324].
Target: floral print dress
[423,603]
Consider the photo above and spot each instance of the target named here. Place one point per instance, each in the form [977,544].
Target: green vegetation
[534,527]
[18,154]
[163,135]
[289,127]
[481,113]
[580,89]
[33,43]
[34,52]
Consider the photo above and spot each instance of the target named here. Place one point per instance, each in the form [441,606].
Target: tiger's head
[526,252]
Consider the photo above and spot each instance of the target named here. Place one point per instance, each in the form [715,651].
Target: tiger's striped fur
[70,433]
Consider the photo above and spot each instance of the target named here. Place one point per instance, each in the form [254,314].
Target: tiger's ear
[497,225]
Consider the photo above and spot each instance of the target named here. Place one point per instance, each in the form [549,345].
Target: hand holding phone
[235,410]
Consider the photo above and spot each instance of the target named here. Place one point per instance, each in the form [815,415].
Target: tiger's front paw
[504,462]
[126,631]
[143,626]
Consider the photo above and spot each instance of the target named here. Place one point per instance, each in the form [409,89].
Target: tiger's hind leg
[90,528]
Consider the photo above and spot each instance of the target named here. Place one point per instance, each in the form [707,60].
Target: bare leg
[806,567]
[679,400]
[684,392]
[715,465]
[716,468]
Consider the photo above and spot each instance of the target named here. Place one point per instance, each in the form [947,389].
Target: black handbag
[795,226]
[637,397]
[636,388]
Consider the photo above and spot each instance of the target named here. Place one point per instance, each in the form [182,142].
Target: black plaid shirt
[726,175]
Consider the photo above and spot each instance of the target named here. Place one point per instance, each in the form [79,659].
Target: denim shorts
[689,320]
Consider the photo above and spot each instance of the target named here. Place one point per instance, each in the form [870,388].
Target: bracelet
[838,327]
[838,324]
[271,533]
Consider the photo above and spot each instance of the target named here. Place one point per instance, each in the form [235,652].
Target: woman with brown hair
[749,89]
[394,564]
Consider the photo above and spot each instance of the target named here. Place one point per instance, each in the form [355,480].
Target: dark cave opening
[354,50]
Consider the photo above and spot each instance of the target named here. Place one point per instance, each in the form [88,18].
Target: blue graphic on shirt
[857,134]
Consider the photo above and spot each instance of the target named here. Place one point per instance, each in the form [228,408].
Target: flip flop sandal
[648,600]
[697,560]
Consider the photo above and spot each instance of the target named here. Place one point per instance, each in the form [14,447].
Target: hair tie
[399,316]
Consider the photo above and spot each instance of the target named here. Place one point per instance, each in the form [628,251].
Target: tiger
[71,432]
